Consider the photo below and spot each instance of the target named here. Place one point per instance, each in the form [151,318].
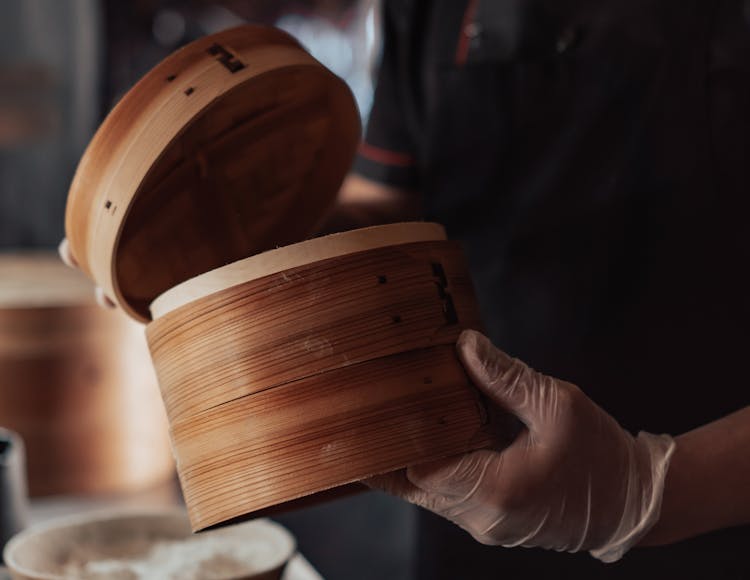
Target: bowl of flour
[148,546]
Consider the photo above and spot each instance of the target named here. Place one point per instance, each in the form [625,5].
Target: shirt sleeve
[387,153]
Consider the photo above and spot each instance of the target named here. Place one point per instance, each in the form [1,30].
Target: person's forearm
[351,215]
[363,203]
[708,482]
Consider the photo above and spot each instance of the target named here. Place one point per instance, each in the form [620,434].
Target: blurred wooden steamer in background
[76,383]
[286,372]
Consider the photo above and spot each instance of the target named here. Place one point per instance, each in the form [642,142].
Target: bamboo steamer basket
[289,372]
[76,383]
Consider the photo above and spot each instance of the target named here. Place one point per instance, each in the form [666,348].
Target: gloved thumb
[508,382]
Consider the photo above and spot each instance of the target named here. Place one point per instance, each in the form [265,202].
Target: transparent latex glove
[64,250]
[571,480]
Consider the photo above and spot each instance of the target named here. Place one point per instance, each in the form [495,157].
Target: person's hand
[65,255]
[572,479]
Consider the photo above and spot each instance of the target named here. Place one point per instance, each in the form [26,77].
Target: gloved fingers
[470,516]
[529,395]
[457,477]
[398,484]
[395,483]
[467,490]
[65,255]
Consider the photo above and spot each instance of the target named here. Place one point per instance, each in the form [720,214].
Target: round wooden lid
[233,145]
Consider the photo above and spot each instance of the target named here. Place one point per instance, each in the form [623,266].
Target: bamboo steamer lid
[233,145]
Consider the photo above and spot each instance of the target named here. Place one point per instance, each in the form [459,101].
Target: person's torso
[592,155]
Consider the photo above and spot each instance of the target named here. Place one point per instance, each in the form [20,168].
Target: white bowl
[147,546]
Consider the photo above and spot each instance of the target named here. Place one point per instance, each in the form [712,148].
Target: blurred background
[65,63]
[63,66]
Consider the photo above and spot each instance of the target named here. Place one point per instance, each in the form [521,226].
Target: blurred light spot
[370,32]
[168,27]
[324,41]
[217,18]
[345,51]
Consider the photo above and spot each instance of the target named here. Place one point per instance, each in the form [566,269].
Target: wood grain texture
[199,165]
[318,376]
[300,254]
[77,385]
[308,320]
[324,431]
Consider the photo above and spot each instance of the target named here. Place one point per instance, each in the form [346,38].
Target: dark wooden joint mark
[109,207]
[482,406]
[439,272]
[226,58]
[382,279]
[189,91]
[170,78]
[449,308]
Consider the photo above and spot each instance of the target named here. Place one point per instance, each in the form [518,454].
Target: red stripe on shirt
[462,50]
[385,156]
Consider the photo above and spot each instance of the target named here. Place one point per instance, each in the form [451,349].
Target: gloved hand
[64,250]
[572,479]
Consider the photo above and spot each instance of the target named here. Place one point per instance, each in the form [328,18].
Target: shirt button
[472,30]
[569,38]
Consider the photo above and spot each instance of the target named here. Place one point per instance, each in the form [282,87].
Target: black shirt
[593,157]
